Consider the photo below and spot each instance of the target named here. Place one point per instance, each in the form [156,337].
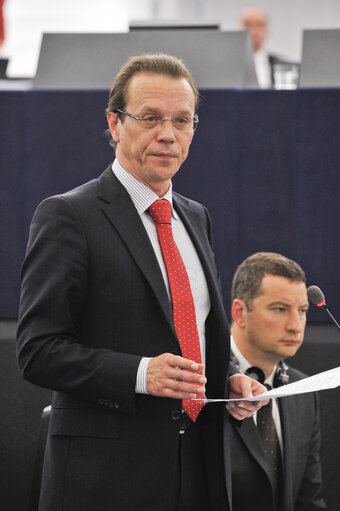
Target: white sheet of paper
[326,380]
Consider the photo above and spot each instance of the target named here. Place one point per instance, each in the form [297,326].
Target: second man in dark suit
[275,454]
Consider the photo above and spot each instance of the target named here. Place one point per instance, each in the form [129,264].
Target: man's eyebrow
[286,304]
[150,108]
[155,110]
[280,302]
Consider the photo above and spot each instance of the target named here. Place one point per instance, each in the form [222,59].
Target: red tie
[182,301]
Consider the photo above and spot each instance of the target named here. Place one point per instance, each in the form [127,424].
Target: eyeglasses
[154,121]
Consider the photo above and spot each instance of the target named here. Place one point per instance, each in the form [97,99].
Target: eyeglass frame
[195,119]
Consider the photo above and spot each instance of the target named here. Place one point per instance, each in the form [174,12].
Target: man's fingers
[241,386]
[174,376]
[243,409]
[182,363]
[238,413]
[183,386]
[178,374]
[176,394]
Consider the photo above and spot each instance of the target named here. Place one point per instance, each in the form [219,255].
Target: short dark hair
[249,274]
[155,63]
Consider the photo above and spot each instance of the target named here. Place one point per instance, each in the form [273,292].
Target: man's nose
[296,322]
[166,130]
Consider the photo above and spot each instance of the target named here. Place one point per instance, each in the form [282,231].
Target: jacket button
[175,414]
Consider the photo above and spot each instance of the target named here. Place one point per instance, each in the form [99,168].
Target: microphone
[316,296]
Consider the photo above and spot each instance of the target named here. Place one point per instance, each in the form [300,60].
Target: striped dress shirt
[142,196]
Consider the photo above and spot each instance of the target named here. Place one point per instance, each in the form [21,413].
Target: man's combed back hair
[249,274]
[156,63]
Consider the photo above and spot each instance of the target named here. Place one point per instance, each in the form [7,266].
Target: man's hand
[176,377]
[243,386]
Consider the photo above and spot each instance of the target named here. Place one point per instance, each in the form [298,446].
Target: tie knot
[160,211]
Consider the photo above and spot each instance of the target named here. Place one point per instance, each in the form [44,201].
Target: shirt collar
[262,53]
[141,195]
[243,363]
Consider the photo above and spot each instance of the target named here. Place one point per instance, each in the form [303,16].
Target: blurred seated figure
[256,21]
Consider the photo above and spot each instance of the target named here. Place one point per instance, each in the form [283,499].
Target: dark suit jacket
[93,303]
[251,487]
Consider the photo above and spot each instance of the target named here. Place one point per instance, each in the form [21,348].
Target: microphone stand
[331,316]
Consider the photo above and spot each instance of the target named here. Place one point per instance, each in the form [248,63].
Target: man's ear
[114,125]
[239,312]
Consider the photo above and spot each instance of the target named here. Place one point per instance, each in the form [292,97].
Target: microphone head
[316,296]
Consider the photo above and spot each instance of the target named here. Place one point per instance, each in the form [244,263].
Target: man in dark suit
[269,305]
[102,324]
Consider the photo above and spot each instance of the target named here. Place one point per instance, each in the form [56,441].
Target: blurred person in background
[255,20]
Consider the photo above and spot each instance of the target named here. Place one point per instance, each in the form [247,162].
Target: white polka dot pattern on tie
[182,300]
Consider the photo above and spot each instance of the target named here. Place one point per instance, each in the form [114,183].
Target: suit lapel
[122,214]
[250,437]
[288,436]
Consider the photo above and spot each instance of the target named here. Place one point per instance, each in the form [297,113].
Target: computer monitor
[320,65]
[174,24]
[74,60]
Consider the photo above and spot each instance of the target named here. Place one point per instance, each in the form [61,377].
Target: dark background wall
[266,164]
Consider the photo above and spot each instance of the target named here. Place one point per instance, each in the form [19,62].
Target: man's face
[154,155]
[256,22]
[275,325]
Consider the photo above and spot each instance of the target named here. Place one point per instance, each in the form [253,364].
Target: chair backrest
[39,459]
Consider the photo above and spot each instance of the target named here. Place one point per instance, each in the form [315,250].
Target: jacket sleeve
[55,286]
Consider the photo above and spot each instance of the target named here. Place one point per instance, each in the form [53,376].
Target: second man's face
[275,325]
[154,155]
